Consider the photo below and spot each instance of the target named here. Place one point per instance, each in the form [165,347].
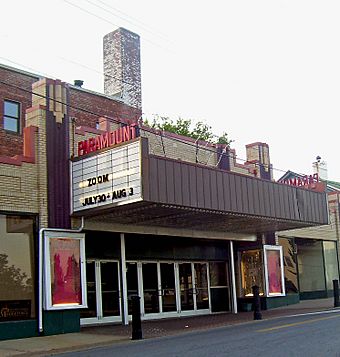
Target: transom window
[11,116]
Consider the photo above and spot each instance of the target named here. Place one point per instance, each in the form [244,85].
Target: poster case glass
[274,270]
[65,274]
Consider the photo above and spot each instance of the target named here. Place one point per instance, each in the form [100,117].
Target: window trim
[18,131]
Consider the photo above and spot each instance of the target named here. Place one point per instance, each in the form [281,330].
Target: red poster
[274,272]
[65,271]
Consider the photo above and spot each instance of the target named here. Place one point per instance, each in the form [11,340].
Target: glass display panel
[132,283]
[110,288]
[331,263]
[65,271]
[65,274]
[218,274]
[251,271]
[201,285]
[290,265]
[186,286]
[91,311]
[17,268]
[168,287]
[310,265]
[274,271]
[150,288]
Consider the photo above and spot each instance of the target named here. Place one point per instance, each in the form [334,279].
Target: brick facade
[11,143]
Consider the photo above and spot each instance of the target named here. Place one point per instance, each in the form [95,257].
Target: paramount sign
[304,181]
[107,178]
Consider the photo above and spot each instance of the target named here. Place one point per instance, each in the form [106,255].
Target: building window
[11,116]
[17,268]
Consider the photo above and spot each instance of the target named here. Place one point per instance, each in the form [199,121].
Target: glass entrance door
[186,286]
[201,289]
[103,292]
[194,286]
[150,288]
[168,287]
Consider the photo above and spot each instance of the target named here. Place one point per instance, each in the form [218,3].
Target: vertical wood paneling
[261,194]
[227,192]
[220,192]
[244,195]
[170,182]
[200,192]
[233,193]
[296,212]
[266,198]
[154,181]
[312,206]
[207,188]
[285,201]
[272,200]
[281,211]
[184,184]
[255,189]
[186,187]
[213,185]
[250,195]
[238,193]
[193,186]
[178,185]
[161,174]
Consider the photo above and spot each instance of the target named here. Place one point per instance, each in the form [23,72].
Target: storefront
[18,262]
[173,276]
[164,230]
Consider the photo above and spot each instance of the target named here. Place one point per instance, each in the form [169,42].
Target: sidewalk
[90,337]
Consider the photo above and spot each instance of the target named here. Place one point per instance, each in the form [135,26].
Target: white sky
[265,70]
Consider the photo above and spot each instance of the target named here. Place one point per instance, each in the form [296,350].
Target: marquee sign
[108,139]
[111,178]
[301,181]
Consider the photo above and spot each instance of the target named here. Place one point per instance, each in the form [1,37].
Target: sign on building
[110,178]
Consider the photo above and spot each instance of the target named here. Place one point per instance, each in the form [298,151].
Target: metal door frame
[100,319]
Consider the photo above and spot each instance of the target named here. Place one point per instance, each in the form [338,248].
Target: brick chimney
[122,69]
[258,155]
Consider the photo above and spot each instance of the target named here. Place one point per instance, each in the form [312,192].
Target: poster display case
[65,280]
[263,268]
[274,270]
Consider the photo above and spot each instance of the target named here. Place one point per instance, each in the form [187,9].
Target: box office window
[17,297]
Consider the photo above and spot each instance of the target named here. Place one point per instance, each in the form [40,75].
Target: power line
[109,22]
[126,18]
[144,128]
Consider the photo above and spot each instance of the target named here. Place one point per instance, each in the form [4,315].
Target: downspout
[41,262]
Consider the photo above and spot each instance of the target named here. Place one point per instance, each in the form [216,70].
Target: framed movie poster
[274,272]
[65,279]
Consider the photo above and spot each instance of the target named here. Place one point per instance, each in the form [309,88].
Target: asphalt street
[308,335]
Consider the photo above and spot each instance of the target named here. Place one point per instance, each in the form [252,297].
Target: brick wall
[100,105]
[11,143]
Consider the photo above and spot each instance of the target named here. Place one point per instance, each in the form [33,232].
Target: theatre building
[96,208]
